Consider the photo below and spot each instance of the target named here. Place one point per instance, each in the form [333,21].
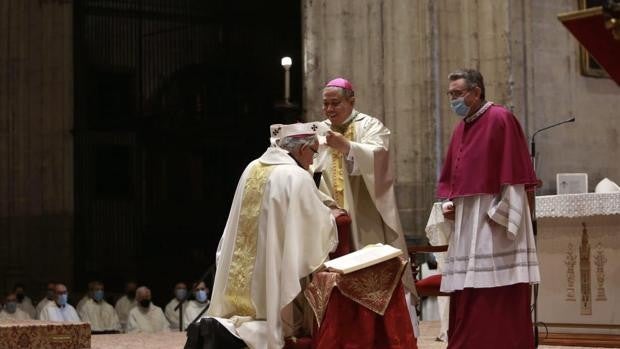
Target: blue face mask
[10,307]
[180,293]
[98,295]
[62,299]
[201,296]
[459,107]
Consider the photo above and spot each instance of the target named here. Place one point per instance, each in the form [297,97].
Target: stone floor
[172,340]
[430,329]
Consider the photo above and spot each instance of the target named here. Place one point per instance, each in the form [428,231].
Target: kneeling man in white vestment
[278,232]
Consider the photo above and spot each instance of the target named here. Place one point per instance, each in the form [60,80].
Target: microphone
[533,143]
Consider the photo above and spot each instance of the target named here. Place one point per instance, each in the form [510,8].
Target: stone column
[36,154]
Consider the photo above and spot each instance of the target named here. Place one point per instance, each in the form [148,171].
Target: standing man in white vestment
[278,232]
[171,311]
[10,310]
[59,309]
[146,316]
[99,313]
[357,174]
[126,303]
[24,302]
[196,305]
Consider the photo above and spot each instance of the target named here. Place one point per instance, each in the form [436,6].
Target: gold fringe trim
[337,168]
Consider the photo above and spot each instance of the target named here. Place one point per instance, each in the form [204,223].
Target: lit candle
[286,64]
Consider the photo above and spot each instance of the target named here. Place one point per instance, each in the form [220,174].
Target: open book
[367,256]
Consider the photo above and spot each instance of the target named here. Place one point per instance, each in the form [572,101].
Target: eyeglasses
[315,151]
[457,93]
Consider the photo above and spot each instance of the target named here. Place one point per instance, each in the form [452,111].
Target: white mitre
[606,186]
[279,131]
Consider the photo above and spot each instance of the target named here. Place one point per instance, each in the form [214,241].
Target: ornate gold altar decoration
[584,268]
[318,291]
[570,261]
[371,287]
[237,290]
[600,260]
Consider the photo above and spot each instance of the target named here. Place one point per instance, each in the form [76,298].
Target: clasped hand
[338,141]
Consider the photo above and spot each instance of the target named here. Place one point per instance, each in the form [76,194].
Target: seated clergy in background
[10,310]
[50,294]
[24,302]
[278,232]
[99,313]
[126,303]
[146,316]
[195,306]
[87,296]
[59,309]
[172,311]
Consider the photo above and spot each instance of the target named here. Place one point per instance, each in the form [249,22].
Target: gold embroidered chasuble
[278,231]
[242,265]
[338,160]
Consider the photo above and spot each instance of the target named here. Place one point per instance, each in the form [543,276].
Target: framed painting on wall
[589,66]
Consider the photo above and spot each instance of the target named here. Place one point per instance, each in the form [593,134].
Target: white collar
[480,111]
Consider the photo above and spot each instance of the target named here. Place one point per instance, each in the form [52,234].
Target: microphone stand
[533,142]
[534,220]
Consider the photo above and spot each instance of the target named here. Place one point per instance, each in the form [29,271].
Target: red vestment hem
[491,318]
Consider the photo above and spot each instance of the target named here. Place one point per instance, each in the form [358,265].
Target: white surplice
[296,232]
[123,306]
[53,312]
[17,315]
[42,303]
[191,310]
[81,303]
[368,185]
[149,320]
[100,315]
[492,243]
[173,315]
[26,305]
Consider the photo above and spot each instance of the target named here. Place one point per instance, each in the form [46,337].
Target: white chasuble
[362,183]
[278,231]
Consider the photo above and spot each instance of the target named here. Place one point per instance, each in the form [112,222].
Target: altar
[578,246]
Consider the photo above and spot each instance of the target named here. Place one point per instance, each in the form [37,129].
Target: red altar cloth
[346,323]
[588,27]
[343,223]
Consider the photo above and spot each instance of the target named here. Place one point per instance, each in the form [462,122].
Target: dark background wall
[171,99]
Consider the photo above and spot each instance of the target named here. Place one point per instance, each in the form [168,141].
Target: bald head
[143,296]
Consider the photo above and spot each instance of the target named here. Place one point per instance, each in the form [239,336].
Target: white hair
[291,144]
